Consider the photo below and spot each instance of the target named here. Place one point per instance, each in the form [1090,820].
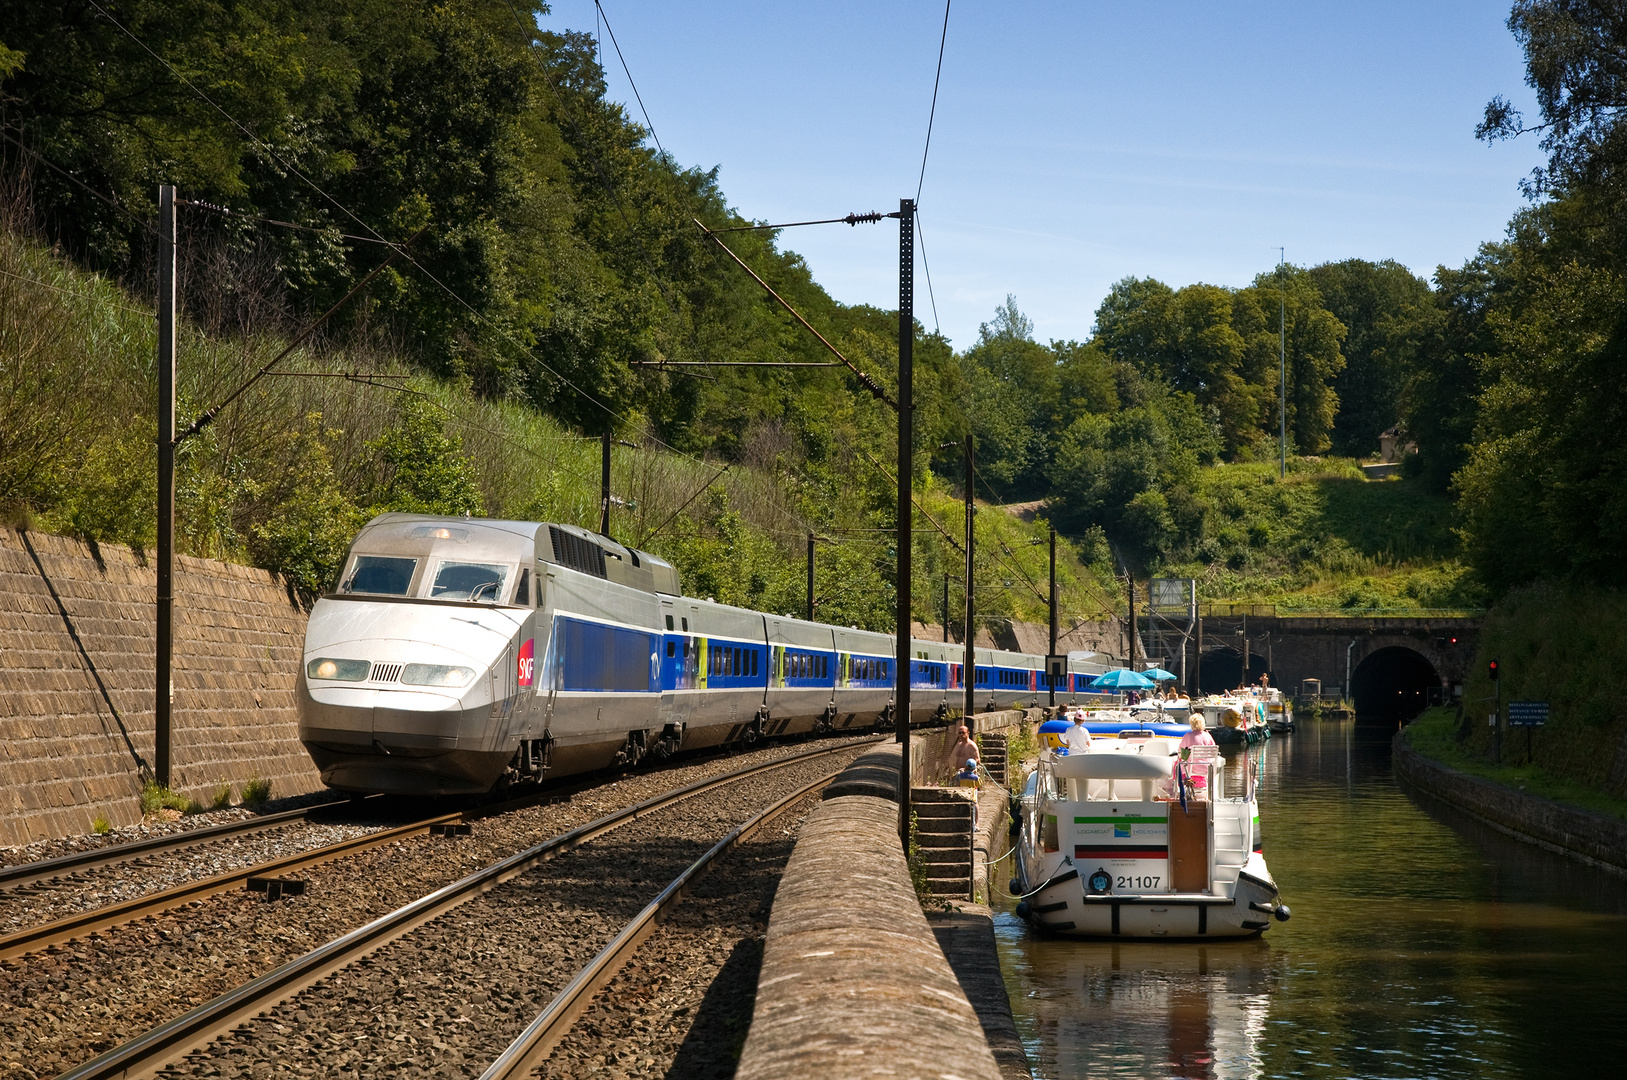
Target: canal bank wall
[1590,838]
[856,980]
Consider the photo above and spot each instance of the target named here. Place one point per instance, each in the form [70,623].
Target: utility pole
[946,607]
[1132,577]
[810,576]
[903,653]
[1197,668]
[969,667]
[164,687]
[1282,364]
[604,485]
[1051,676]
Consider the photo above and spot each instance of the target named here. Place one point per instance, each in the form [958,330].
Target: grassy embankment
[1552,645]
[1324,538]
[286,475]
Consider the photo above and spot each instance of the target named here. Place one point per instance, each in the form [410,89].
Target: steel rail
[146,1054]
[71,927]
[20,874]
[532,1048]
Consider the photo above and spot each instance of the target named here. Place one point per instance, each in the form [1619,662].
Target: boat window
[381,575]
[469,581]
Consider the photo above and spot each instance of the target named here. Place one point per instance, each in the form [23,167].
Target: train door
[504,683]
[675,649]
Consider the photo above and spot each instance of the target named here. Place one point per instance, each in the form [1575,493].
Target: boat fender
[1022,909]
[1282,913]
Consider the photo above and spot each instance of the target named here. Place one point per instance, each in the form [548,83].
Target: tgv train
[456,653]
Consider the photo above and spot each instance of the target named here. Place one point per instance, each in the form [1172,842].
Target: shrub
[101,826]
[156,797]
[255,791]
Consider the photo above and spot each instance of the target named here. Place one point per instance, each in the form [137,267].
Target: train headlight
[436,675]
[338,670]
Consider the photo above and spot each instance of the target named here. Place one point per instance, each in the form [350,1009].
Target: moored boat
[1131,840]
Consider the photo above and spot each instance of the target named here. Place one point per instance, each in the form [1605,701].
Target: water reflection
[1422,945]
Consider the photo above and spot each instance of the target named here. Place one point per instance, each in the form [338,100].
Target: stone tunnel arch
[1221,668]
[1392,685]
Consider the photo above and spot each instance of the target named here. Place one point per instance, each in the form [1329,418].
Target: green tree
[1388,313]
[418,468]
[1013,387]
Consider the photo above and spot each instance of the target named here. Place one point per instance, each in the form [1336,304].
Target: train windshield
[380,574]
[469,581]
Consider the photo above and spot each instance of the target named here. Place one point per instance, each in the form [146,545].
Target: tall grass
[285,475]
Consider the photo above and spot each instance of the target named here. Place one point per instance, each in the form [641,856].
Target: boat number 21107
[1125,881]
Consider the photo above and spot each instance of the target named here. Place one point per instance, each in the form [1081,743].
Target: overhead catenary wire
[648,123]
[933,114]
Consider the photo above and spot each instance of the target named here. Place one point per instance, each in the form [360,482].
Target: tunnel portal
[1221,669]
[1392,685]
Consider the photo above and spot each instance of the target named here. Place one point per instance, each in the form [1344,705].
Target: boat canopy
[1112,766]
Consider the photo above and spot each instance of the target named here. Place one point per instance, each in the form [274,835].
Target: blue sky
[1077,144]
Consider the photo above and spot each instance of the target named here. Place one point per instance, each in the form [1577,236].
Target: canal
[1422,945]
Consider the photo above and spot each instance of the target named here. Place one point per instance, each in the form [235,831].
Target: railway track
[170,1042]
[22,875]
[99,920]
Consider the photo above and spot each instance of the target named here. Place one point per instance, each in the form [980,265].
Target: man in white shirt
[1077,737]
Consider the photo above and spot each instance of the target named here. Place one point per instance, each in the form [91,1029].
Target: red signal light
[1491,669]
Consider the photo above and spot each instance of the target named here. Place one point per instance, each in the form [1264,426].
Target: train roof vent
[578,554]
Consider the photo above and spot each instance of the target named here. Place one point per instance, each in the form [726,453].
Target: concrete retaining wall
[1591,838]
[76,683]
[853,981]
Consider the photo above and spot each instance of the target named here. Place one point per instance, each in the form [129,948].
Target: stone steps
[943,837]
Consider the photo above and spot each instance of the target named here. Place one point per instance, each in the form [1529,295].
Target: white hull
[1109,849]
[1065,906]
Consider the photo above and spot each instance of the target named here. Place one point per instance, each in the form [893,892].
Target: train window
[672,649]
[686,625]
[824,667]
[734,658]
[754,662]
[669,622]
[522,591]
[469,581]
[381,575]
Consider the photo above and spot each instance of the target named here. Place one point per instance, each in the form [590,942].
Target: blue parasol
[1122,679]
[1158,674]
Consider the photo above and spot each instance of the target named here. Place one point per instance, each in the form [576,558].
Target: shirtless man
[965,750]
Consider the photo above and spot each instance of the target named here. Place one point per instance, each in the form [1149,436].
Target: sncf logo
[528,662]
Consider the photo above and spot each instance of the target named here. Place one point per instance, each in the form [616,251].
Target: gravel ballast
[447,999]
[64,1006]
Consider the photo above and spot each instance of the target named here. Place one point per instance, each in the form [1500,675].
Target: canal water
[1422,944]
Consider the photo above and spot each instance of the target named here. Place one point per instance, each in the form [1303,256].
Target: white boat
[1110,848]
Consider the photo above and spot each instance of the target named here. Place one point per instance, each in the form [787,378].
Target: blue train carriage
[597,699]
[421,664]
[864,675]
[935,686]
[720,695]
[1015,679]
[801,691]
